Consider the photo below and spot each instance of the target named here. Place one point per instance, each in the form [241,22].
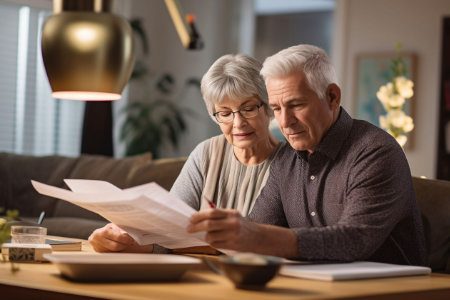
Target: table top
[43,280]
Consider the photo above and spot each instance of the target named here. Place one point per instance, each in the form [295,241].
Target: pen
[210,203]
[41,217]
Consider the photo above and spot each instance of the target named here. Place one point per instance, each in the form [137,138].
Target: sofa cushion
[163,171]
[433,197]
[16,191]
[114,170]
[97,167]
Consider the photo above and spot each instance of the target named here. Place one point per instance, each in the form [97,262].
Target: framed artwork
[372,71]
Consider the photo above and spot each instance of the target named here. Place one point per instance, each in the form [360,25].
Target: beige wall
[276,32]
[363,26]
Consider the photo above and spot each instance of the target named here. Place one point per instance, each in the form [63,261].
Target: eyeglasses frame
[258,106]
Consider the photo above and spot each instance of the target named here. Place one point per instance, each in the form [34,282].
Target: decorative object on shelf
[88,52]
[393,96]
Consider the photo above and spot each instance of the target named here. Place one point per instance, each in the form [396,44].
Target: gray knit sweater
[213,172]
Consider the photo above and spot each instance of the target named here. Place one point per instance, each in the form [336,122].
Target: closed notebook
[353,270]
[60,245]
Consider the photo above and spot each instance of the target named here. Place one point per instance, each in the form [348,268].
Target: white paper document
[352,270]
[148,212]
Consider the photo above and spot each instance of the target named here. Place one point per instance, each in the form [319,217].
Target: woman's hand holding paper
[111,238]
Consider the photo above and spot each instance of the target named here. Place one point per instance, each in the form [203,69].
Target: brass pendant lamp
[88,52]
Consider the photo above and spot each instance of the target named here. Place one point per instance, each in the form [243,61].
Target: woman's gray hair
[312,60]
[233,76]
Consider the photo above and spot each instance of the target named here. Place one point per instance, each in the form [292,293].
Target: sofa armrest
[433,197]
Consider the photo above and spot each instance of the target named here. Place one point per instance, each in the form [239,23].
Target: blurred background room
[167,75]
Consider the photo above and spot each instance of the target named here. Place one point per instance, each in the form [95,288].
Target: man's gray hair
[312,60]
[233,76]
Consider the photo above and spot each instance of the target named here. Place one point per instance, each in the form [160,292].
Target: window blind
[31,121]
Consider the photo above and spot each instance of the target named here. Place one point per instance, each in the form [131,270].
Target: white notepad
[352,270]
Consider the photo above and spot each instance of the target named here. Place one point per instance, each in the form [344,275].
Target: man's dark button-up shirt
[351,199]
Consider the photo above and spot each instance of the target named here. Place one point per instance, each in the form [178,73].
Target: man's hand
[227,229]
[224,228]
[111,238]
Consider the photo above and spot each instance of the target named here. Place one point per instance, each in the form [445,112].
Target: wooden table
[42,281]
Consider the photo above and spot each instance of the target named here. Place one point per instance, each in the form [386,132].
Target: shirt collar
[332,141]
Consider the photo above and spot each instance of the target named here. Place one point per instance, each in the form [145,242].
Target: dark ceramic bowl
[248,275]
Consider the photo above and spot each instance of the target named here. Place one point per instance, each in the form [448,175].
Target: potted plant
[5,230]
[152,121]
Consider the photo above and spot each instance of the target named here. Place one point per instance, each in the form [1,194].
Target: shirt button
[313,213]
[312,177]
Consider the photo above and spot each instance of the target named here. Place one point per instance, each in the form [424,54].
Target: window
[31,121]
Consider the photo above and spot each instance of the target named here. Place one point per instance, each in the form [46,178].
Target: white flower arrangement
[393,96]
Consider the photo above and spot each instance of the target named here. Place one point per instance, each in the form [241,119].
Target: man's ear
[333,95]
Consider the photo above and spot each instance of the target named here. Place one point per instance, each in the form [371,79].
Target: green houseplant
[156,119]
[5,230]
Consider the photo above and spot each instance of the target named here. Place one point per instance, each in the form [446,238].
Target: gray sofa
[65,219]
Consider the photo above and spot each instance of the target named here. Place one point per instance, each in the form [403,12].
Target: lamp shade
[87,55]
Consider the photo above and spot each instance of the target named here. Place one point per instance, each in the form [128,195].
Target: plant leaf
[193,81]
[166,84]
[138,29]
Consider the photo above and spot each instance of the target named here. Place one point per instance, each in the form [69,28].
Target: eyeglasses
[247,112]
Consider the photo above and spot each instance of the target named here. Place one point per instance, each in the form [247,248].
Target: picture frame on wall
[372,71]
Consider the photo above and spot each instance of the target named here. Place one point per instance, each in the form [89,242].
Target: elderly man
[341,189]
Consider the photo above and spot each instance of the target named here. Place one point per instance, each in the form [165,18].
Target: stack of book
[63,245]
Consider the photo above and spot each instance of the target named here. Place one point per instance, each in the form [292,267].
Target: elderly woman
[230,169]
